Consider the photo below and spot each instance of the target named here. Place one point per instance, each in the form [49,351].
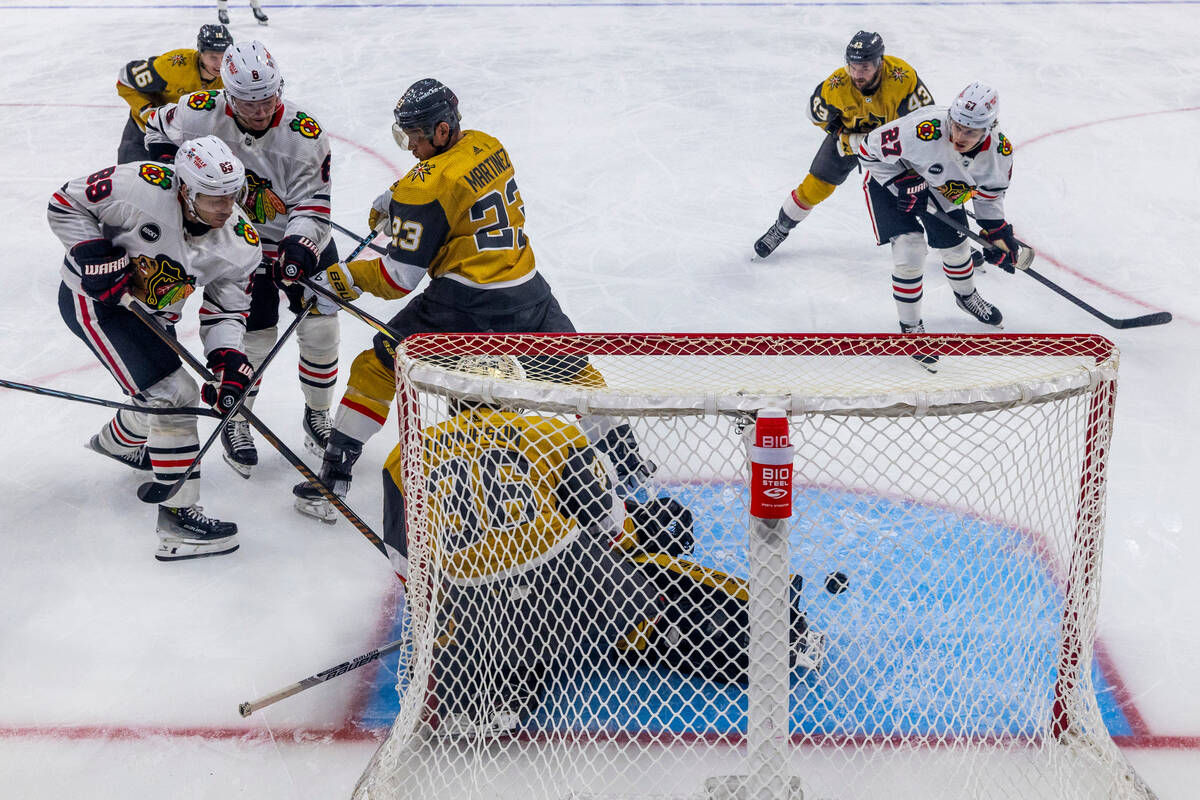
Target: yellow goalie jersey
[900,92]
[506,492]
[160,80]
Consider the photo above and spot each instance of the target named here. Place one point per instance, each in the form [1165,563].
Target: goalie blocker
[558,581]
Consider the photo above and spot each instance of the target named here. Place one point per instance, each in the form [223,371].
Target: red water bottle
[771,466]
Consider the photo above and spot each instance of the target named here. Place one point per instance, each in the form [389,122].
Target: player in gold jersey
[457,216]
[871,90]
[159,80]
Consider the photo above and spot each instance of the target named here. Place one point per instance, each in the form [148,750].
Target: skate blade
[241,469]
[183,549]
[317,509]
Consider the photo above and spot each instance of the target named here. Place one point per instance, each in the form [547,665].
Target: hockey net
[963,506]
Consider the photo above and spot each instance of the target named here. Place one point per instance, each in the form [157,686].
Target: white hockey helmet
[207,166]
[249,72]
[976,106]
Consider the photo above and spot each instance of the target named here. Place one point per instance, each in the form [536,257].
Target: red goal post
[965,505]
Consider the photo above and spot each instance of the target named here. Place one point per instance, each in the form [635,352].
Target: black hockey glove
[233,375]
[297,259]
[1000,233]
[104,269]
[912,192]
[835,126]
[163,152]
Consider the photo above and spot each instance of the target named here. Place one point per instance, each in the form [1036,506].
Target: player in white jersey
[947,155]
[154,232]
[286,153]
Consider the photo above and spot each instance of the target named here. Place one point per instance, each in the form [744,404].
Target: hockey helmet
[249,72]
[499,367]
[213,39]
[422,107]
[976,106]
[207,166]
[864,46]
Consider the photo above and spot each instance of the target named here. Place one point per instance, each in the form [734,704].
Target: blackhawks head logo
[161,282]
[956,192]
[202,101]
[246,231]
[259,200]
[305,125]
[157,175]
[1005,147]
[929,130]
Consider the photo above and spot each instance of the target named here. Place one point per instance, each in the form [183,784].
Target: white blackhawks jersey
[137,206]
[921,141]
[287,166]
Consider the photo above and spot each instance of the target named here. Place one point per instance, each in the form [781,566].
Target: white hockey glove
[338,280]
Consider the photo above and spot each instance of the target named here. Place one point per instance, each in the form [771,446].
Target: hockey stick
[356,237]
[155,492]
[99,401]
[246,709]
[1143,321]
[354,310]
[148,319]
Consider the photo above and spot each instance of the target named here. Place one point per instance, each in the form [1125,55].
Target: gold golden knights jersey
[900,92]
[159,80]
[459,215]
[503,491]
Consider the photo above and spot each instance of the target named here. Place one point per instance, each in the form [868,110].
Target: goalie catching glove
[337,279]
[1005,251]
[233,376]
[104,269]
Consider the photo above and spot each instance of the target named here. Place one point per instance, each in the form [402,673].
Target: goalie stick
[1143,321]
[100,401]
[155,492]
[248,708]
[149,321]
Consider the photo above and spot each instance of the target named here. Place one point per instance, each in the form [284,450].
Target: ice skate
[259,15]
[317,427]
[766,244]
[980,309]
[137,459]
[311,503]
[238,445]
[927,360]
[222,16]
[186,533]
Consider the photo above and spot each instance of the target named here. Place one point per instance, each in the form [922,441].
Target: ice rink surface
[653,142]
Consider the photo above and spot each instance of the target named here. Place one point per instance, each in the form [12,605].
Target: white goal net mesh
[581,613]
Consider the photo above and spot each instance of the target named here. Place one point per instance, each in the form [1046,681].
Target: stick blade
[245,709]
[153,492]
[1144,321]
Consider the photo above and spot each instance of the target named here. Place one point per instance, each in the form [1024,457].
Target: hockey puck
[836,583]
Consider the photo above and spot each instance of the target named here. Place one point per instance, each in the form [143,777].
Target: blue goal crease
[933,580]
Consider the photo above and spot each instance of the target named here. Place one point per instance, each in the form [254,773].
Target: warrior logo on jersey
[929,130]
[178,60]
[202,101]
[956,192]
[246,231]
[305,125]
[1005,147]
[421,171]
[156,175]
[259,200]
[161,282]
